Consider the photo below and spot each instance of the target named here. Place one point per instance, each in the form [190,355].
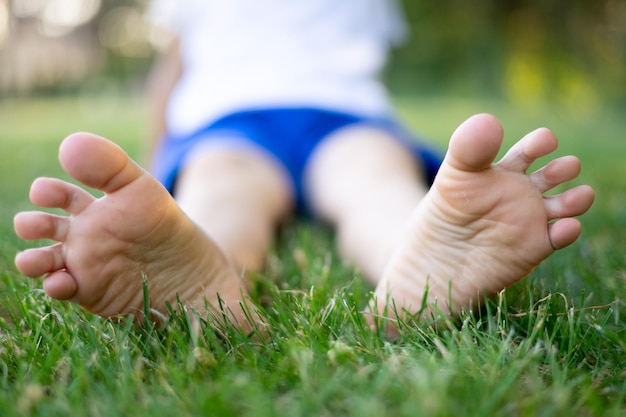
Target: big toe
[475,143]
[97,162]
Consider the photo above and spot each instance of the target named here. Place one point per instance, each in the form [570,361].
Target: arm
[161,81]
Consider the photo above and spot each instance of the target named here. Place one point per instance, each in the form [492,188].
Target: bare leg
[237,196]
[483,226]
[365,183]
[108,245]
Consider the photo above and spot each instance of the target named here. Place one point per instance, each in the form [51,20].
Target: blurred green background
[568,52]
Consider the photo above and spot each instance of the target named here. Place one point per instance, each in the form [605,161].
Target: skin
[483,226]
[108,245]
[480,228]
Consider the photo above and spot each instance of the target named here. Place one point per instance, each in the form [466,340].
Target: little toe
[40,261]
[564,232]
[555,173]
[475,143]
[60,285]
[32,225]
[97,162]
[535,144]
[55,193]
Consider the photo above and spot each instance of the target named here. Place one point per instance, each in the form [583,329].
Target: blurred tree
[569,51]
[526,50]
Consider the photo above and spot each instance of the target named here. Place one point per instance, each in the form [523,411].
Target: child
[274,105]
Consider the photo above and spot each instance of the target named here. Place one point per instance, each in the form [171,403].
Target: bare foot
[108,245]
[482,226]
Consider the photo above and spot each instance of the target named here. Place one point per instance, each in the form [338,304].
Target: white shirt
[251,54]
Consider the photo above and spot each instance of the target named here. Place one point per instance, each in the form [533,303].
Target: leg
[107,246]
[237,196]
[483,226]
[367,184]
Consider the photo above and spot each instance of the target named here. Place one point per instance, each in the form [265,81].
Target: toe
[60,285]
[55,193]
[571,203]
[534,145]
[564,232]
[40,261]
[475,143]
[32,225]
[555,173]
[97,162]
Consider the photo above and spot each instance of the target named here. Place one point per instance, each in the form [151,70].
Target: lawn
[553,345]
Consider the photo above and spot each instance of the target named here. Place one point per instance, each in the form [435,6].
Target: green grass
[553,345]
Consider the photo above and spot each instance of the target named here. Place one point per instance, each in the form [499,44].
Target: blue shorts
[289,134]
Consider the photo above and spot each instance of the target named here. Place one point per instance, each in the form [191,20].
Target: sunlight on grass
[51,119]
